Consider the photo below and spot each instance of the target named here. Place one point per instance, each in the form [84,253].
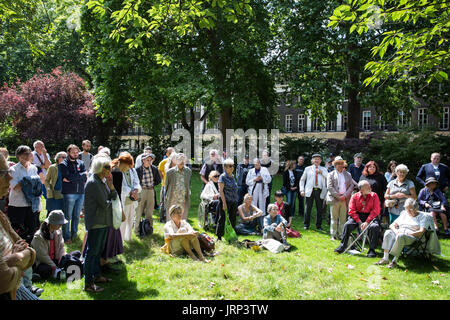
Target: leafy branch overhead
[415,49]
[185,17]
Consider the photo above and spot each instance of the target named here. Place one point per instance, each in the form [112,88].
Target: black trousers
[373,233]
[24,221]
[231,210]
[315,197]
[301,205]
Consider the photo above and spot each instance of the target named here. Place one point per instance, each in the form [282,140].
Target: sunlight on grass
[310,271]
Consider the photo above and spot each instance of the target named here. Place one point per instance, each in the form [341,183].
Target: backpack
[145,228]
[206,242]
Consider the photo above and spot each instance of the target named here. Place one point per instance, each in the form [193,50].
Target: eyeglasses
[230,166]
[107,167]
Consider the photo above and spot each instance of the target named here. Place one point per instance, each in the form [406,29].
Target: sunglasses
[107,167]
[216,176]
[230,166]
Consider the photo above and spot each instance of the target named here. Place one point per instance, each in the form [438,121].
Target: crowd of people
[115,195]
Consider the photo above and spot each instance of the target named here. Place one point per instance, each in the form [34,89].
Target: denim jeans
[54,204]
[291,197]
[95,243]
[72,208]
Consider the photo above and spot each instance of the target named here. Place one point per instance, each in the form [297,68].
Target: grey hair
[181,158]
[271,206]
[60,155]
[98,163]
[412,203]
[362,183]
[256,159]
[228,162]
[36,143]
[106,151]
[401,167]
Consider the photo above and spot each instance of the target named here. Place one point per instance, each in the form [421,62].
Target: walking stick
[363,233]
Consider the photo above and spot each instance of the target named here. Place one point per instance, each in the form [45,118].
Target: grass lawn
[311,270]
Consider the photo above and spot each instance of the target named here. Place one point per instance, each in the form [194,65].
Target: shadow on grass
[421,265]
[122,288]
[142,249]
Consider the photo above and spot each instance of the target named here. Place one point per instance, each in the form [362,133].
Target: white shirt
[18,172]
[38,163]
[408,224]
[170,228]
[341,180]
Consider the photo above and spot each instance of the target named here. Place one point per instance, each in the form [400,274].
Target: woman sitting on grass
[181,237]
[249,217]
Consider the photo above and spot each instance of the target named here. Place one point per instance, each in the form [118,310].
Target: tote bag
[229,235]
[116,213]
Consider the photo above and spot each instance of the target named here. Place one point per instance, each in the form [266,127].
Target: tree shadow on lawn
[143,248]
[121,288]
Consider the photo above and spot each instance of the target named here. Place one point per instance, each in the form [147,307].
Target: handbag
[145,228]
[391,203]
[229,235]
[116,213]
[291,233]
[206,242]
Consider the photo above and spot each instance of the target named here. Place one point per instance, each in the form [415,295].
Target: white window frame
[301,122]
[288,122]
[422,117]
[444,121]
[366,120]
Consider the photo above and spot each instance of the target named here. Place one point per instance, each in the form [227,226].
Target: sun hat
[56,217]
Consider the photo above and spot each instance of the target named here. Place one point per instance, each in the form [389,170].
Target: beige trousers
[338,213]
[145,207]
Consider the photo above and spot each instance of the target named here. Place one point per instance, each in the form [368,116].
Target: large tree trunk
[354,107]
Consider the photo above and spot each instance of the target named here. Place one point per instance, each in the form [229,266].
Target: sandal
[93,288]
[102,280]
[392,265]
[382,262]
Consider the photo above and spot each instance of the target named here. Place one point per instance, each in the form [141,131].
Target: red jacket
[371,206]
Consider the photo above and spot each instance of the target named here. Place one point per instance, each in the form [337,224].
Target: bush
[291,148]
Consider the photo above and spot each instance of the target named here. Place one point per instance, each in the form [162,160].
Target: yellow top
[161,167]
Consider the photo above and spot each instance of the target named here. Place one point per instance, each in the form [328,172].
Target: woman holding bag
[228,190]
[126,182]
[99,194]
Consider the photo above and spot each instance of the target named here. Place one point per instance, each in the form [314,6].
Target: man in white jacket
[258,179]
[313,186]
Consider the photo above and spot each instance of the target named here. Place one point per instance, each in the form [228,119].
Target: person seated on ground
[283,208]
[49,245]
[210,194]
[275,226]
[249,221]
[404,231]
[181,236]
[364,208]
[431,199]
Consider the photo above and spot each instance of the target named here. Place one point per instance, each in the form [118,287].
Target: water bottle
[62,275]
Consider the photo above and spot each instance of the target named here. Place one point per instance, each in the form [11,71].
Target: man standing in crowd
[148,178]
[299,169]
[214,163]
[356,168]
[41,159]
[74,175]
[20,211]
[138,162]
[241,174]
[436,170]
[313,186]
[258,179]
[86,156]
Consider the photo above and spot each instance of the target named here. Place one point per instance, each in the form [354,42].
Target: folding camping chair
[358,240]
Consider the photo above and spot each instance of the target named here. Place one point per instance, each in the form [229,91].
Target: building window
[301,122]
[344,122]
[403,119]
[315,125]
[445,117]
[366,123]
[422,117]
[331,125]
[288,123]
[178,125]
[381,123]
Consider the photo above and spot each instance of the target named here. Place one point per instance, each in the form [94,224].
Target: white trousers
[127,226]
[258,199]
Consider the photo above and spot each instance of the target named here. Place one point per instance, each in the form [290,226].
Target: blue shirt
[270,225]
[356,172]
[230,188]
